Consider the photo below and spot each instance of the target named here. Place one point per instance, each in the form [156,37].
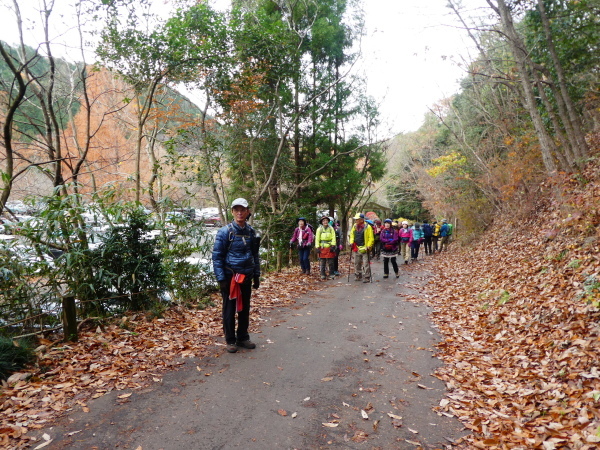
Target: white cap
[239,202]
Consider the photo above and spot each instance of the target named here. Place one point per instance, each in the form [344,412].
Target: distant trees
[525,111]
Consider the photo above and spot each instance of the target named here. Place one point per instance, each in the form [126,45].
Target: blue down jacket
[235,251]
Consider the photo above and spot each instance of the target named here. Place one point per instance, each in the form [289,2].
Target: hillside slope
[519,311]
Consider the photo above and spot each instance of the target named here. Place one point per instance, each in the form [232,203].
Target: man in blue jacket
[444,234]
[237,269]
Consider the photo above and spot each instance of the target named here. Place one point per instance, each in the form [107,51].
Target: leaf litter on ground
[114,358]
[519,315]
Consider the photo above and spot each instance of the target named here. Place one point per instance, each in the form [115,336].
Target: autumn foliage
[520,324]
[126,353]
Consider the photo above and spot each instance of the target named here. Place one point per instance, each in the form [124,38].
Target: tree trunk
[548,148]
[565,157]
[7,128]
[572,122]
[154,165]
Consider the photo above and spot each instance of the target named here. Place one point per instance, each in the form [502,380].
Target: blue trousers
[303,254]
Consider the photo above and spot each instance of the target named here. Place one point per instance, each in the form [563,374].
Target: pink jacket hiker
[405,235]
[307,236]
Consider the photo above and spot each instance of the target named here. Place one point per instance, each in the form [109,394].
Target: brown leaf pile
[519,313]
[128,354]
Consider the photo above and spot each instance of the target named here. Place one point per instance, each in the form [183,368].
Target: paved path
[348,348]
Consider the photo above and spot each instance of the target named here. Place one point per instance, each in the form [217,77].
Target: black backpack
[427,230]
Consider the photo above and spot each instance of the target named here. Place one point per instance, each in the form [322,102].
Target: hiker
[389,247]
[237,268]
[325,244]
[376,235]
[361,239]
[417,238]
[304,237]
[428,235]
[338,246]
[444,236]
[406,237]
[435,236]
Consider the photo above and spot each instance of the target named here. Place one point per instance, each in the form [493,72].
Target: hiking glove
[256,283]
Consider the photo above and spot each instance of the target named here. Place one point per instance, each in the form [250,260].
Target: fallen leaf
[282,412]
[330,424]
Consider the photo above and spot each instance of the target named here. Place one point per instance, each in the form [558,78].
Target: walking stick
[349,265]
[369,263]
[290,257]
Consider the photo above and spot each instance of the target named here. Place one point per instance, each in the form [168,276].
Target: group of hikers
[236,262]
[368,239]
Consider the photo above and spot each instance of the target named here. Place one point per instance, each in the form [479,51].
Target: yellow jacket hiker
[325,242]
[361,240]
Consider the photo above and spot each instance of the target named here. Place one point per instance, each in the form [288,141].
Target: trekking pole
[369,263]
[349,265]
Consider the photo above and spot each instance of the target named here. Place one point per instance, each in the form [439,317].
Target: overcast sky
[409,52]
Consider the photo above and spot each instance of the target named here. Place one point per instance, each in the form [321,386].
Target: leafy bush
[129,262]
[110,256]
[14,357]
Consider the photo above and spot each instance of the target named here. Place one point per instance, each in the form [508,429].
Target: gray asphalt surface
[350,348]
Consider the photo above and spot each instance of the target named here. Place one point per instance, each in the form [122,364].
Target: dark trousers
[386,265]
[326,263]
[377,249]
[435,240]
[304,255]
[414,250]
[428,250]
[229,310]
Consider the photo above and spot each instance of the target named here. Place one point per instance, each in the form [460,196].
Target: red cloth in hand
[235,291]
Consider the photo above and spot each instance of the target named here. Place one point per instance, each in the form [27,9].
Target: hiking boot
[336,273]
[397,275]
[323,277]
[246,344]
[406,261]
[332,277]
[231,348]
[386,276]
[366,280]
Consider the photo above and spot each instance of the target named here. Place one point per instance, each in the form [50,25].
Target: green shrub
[14,357]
